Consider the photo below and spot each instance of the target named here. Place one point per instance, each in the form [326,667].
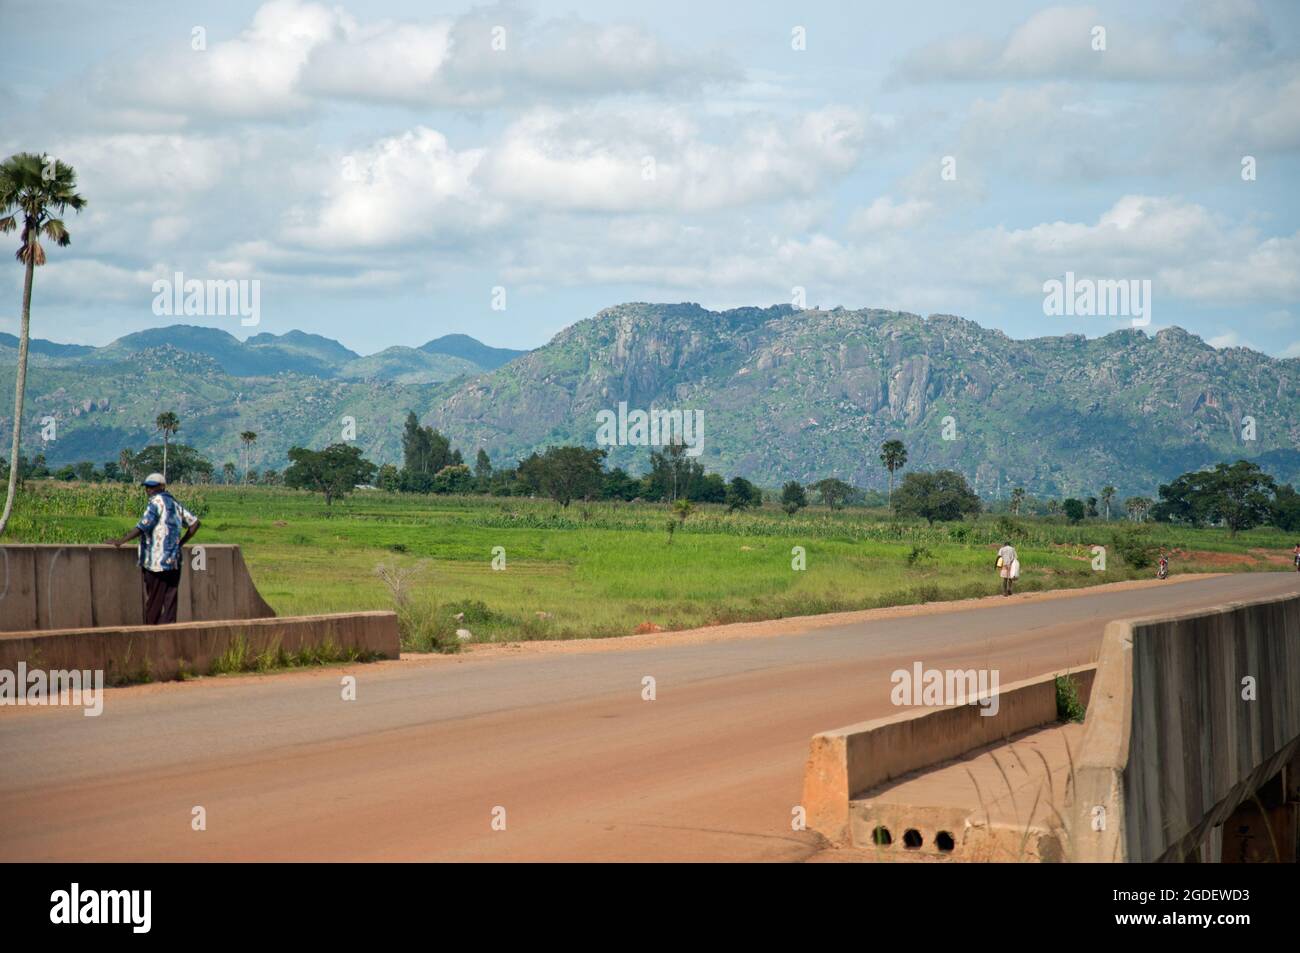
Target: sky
[389,172]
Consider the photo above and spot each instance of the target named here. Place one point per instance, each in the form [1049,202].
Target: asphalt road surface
[560,744]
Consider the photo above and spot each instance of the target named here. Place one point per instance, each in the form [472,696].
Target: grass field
[606,569]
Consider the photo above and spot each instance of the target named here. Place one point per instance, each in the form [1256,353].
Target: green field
[605,569]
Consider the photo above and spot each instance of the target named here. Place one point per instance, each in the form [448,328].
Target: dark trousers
[1006,585]
[160,589]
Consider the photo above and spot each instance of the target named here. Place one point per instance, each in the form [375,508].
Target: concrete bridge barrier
[1192,732]
[157,652]
[81,607]
[847,762]
[70,587]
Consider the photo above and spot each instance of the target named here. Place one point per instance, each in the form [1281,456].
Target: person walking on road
[1008,566]
[161,539]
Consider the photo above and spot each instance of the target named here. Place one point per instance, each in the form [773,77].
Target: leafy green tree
[1241,496]
[571,473]
[1286,509]
[454,478]
[941,495]
[709,488]
[37,189]
[425,451]
[85,471]
[793,498]
[1185,499]
[1092,511]
[389,478]
[529,474]
[334,471]
[228,472]
[833,493]
[894,456]
[186,465]
[741,494]
[672,474]
[1238,495]
[482,469]
[618,485]
[1074,509]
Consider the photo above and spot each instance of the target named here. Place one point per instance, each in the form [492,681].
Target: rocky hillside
[784,394]
[804,395]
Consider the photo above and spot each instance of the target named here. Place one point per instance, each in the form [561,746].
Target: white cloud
[412,187]
[657,158]
[884,214]
[296,55]
[1058,43]
[253,75]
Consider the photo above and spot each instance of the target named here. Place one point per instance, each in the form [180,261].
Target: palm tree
[1017,500]
[894,456]
[37,188]
[228,472]
[125,459]
[247,438]
[168,423]
[1107,494]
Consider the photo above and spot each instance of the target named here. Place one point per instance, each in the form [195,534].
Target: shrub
[1134,547]
[1068,705]
[424,626]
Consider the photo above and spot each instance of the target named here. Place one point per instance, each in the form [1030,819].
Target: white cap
[154,479]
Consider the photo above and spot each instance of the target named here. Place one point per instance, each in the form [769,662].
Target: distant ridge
[785,395]
[299,352]
[475,351]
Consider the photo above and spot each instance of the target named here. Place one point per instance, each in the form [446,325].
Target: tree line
[1238,496]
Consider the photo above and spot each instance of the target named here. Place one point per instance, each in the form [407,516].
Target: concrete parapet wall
[848,761]
[129,653]
[73,587]
[1171,746]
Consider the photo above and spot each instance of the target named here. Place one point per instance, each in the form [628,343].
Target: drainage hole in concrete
[881,837]
[943,841]
[912,838]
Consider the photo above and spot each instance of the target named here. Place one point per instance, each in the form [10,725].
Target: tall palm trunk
[164,456]
[20,387]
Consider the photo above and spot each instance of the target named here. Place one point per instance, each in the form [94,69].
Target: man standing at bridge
[159,531]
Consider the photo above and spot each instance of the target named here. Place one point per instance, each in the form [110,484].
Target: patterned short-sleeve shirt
[160,532]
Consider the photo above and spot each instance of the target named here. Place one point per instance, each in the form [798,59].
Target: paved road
[582,765]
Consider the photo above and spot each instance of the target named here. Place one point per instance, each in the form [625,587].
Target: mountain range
[783,394]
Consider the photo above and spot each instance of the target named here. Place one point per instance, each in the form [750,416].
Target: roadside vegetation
[593,569]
